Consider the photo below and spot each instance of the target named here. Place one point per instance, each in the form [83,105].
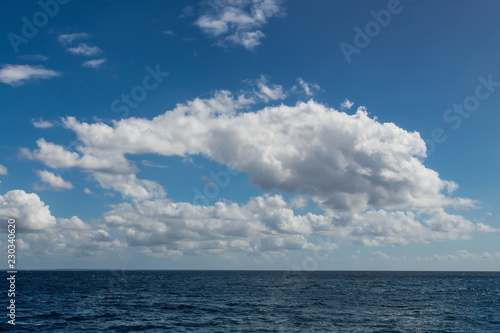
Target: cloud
[55,182]
[367,177]
[152,165]
[70,38]
[95,64]
[45,235]
[347,104]
[85,50]
[87,191]
[130,186]
[462,255]
[188,11]
[16,75]
[261,225]
[3,170]
[169,33]
[42,123]
[344,162]
[28,209]
[265,91]
[308,88]
[238,22]
[55,156]
[34,57]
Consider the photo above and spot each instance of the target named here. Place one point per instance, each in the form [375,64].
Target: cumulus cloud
[344,162]
[263,224]
[95,64]
[3,170]
[56,156]
[367,177]
[238,22]
[16,75]
[44,234]
[55,182]
[130,186]
[32,213]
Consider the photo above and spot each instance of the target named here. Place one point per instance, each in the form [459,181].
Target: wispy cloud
[307,88]
[85,50]
[3,170]
[34,57]
[70,38]
[42,123]
[238,22]
[95,64]
[188,11]
[16,75]
[153,165]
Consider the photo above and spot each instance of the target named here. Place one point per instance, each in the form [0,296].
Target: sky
[251,134]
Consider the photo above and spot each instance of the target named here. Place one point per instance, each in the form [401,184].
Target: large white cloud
[344,162]
[367,177]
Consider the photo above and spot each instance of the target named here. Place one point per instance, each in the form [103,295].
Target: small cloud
[169,33]
[42,123]
[152,165]
[481,227]
[3,170]
[95,64]
[85,50]
[87,191]
[489,214]
[16,75]
[207,180]
[70,38]
[34,57]
[188,11]
[55,182]
[347,104]
[381,255]
[238,22]
[265,91]
[308,88]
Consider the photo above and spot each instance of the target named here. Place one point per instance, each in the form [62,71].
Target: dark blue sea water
[256,301]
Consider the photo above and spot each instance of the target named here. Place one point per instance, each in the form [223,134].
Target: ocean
[255,301]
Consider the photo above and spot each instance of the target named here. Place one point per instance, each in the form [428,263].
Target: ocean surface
[255,301]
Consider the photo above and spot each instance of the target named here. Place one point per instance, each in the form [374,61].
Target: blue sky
[266,134]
